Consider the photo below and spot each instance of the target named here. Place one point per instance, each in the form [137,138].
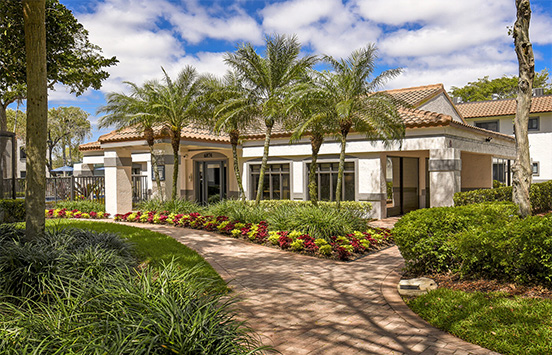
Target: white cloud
[540,29]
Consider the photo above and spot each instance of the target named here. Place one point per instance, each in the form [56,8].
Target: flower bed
[65,213]
[348,247]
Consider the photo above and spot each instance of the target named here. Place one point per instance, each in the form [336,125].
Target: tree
[67,127]
[355,104]
[134,109]
[228,100]
[175,103]
[71,59]
[17,122]
[37,109]
[268,80]
[500,88]
[522,165]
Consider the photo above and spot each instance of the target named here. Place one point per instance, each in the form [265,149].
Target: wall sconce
[488,139]
[190,177]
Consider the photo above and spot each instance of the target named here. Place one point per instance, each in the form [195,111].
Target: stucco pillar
[118,181]
[445,168]
[371,184]
[298,184]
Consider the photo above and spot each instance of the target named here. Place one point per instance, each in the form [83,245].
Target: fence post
[72,188]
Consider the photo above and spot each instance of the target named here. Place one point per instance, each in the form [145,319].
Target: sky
[434,41]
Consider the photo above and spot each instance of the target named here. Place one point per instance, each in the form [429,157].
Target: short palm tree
[268,80]
[227,102]
[175,104]
[134,109]
[356,105]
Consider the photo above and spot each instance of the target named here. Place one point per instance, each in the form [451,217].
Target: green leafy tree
[500,88]
[175,102]
[67,128]
[17,122]
[355,104]
[134,109]
[268,80]
[227,101]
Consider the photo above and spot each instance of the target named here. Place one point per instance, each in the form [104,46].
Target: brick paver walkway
[304,305]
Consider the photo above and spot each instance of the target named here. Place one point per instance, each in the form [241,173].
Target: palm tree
[356,105]
[229,111]
[176,104]
[134,109]
[268,79]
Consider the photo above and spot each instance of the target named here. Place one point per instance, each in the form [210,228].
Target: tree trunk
[37,115]
[3,162]
[339,188]
[148,135]
[522,166]
[175,142]
[316,143]
[234,140]
[269,124]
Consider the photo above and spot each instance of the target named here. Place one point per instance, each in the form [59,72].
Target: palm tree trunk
[37,115]
[522,166]
[344,133]
[150,139]
[175,142]
[316,142]
[264,162]
[3,127]
[234,139]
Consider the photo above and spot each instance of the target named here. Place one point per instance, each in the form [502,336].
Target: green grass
[152,247]
[496,321]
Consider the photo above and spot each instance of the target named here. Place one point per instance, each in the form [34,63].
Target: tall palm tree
[355,103]
[229,111]
[134,109]
[176,104]
[268,79]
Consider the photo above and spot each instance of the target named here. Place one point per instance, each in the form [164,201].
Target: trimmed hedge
[480,240]
[12,211]
[540,194]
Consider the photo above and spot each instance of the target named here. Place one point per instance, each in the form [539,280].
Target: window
[22,153]
[22,174]
[488,125]
[327,181]
[535,167]
[276,181]
[534,124]
[161,173]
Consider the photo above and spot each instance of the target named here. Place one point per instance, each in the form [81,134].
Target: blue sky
[434,41]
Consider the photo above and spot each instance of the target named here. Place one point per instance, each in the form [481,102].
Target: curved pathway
[304,305]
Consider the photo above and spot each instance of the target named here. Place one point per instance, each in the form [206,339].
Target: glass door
[210,181]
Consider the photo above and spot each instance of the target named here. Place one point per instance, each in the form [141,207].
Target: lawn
[151,247]
[497,321]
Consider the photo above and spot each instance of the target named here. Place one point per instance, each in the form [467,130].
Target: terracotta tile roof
[159,131]
[90,146]
[502,107]
[418,95]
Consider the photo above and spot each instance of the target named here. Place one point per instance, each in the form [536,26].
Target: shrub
[540,195]
[12,211]
[178,206]
[239,211]
[481,240]
[82,205]
[423,236]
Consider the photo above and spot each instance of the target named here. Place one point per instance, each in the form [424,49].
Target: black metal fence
[139,189]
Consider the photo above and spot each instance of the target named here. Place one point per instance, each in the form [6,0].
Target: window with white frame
[276,181]
[488,125]
[534,124]
[326,175]
[535,167]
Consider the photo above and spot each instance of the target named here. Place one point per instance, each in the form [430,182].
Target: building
[498,116]
[440,155]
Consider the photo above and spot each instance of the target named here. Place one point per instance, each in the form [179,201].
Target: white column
[118,181]
[445,168]
[371,184]
[298,183]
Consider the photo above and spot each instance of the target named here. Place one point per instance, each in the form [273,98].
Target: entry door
[211,181]
[402,179]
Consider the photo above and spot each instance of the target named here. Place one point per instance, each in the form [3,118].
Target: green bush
[85,206]
[172,206]
[481,240]
[239,211]
[540,195]
[12,211]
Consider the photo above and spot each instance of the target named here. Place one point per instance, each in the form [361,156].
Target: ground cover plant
[497,321]
[65,213]
[81,205]
[316,233]
[79,291]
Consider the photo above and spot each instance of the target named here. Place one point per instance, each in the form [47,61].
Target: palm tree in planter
[268,80]
[134,109]
[175,103]
[356,105]
[310,114]
[230,111]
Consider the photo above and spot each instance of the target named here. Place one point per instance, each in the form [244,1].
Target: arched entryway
[211,177]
